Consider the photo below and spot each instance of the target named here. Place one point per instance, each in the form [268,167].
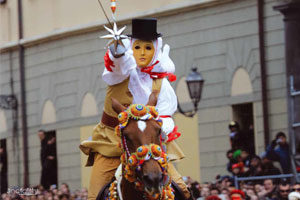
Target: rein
[132,162]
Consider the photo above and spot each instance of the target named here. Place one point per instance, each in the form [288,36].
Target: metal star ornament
[115,36]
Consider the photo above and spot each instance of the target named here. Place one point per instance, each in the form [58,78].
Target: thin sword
[105,14]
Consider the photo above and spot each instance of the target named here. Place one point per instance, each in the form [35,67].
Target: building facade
[63,62]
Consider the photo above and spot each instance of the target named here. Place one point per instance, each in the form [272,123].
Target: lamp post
[194,83]
[8,102]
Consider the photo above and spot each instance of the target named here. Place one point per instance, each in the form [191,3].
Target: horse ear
[152,99]
[117,107]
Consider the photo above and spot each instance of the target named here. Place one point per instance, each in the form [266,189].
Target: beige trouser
[104,169]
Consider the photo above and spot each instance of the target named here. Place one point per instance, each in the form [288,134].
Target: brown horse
[144,161]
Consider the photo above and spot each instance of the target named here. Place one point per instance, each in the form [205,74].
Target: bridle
[132,162]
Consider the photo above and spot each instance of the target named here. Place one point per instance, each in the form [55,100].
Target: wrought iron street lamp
[194,83]
[8,102]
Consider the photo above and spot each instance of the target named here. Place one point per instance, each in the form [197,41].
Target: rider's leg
[177,178]
[102,172]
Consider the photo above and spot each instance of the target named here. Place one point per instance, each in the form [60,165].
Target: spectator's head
[224,194]
[40,197]
[224,181]
[237,195]
[195,187]
[64,188]
[225,191]
[296,187]
[205,192]
[214,191]
[237,154]
[84,193]
[64,197]
[33,197]
[237,168]
[40,188]
[233,126]
[269,185]
[56,197]
[281,138]
[231,187]
[229,154]
[218,179]
[249,186]
[250,193]
[48,195]
[41,134]
[284,190]
[213,197]
[49,198]
[244,154]
[54,191]
[255,161]
[4,196]
[73,196]
[258,188]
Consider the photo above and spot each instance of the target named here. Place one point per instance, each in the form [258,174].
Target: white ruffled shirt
[140,86]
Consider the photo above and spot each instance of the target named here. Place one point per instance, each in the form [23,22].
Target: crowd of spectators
[223,189]
[243,162]
[39,193]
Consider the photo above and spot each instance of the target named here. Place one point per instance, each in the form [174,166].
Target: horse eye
[159,132]
[137,47]
[126,138]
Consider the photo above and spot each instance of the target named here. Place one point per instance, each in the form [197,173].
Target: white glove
[166,63]
[125,63]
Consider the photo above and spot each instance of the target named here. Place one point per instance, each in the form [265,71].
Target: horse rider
[142,68]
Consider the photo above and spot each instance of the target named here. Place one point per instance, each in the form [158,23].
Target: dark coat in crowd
[280,154]
[271,195]
[49,166]
[237,140]
[270,169]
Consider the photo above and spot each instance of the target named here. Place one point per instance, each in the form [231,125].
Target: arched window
[3,124]
[49,114]
[241,83]
[89,106]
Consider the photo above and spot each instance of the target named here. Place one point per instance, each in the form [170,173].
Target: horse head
[144,157]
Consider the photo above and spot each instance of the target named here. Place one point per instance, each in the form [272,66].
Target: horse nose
[153,181]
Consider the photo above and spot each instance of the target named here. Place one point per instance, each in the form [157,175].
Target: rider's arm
[167,100]
[167,105]
[120,67]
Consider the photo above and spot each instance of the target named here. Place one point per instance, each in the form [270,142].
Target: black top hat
[144,29]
